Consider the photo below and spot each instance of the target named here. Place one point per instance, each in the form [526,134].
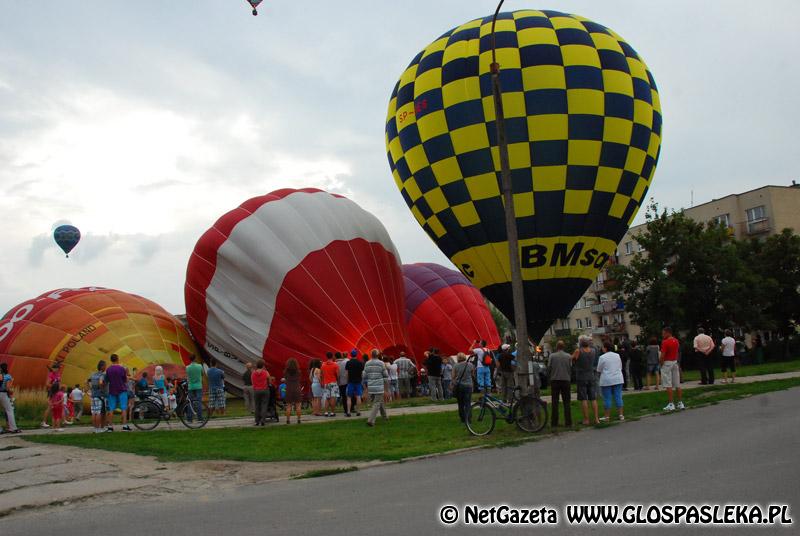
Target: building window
[641,247]
[628,248]
[588,321]
[756,219]
[565,323]
[723,219]
[580,323]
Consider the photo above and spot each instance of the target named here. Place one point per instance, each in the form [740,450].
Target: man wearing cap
[505,362]
[354,372]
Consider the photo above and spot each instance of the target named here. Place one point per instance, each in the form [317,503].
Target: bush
[29,404]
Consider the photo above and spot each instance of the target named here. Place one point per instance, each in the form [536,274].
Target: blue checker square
[478,162]
[627,183]
[431,61]
[574,36]
[459,69]
[549,153]
[581,177]
[613,61]
[619,105]
[409,137]
[464,114]
[524,23]
[438,148]
[640,137]
[585,127]
[425,179]
[540,55]
[583,77]
[548,101]
[613,155]
[456,193]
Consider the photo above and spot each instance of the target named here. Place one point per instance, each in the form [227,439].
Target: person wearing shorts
[330,385]
[670,369]
[728,347]
[354,370]
[117,379]
[585,381]
[216,389]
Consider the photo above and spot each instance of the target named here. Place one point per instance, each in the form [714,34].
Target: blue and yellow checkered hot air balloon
[583,124]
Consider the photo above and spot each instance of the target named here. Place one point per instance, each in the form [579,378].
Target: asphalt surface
[742,451]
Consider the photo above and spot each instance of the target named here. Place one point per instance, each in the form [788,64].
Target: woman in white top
[610,368]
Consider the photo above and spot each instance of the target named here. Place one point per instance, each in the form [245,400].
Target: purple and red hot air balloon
[444,310]
[294,273]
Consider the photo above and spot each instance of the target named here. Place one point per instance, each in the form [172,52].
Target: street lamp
[517,289]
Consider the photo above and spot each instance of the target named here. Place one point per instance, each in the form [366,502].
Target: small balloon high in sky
[67,237]
[583,123]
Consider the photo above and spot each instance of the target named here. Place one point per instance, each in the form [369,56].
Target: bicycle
[529,413]
[149,411]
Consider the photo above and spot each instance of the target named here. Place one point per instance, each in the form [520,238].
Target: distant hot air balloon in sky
[67,237]
[254,5]
[444,310]
[294,273]
[583,124]
[79,327]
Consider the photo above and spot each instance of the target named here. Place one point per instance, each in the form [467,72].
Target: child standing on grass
[56,403]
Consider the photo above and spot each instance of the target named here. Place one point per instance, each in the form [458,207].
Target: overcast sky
[141,122]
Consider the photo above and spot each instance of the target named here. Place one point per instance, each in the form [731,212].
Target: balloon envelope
[79,327]
[583,127]
[444,310]
[67,237]
[294,273]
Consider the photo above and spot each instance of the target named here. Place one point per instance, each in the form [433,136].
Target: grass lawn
[400,437]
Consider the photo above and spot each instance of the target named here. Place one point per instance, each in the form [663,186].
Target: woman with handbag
[462,384]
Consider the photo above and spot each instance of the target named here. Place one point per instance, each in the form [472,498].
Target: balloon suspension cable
[526,379]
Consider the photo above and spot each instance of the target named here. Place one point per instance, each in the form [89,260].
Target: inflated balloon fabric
[79,327]
[583,124]
[294,273]
[445,311]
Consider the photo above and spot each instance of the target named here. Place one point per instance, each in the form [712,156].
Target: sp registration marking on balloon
[583,125]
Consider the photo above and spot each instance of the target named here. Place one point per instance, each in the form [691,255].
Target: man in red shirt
[670,369]
[330,384]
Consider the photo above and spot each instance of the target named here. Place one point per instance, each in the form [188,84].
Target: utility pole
[524,373]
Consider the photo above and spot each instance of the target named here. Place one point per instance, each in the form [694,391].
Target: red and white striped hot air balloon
[294,273]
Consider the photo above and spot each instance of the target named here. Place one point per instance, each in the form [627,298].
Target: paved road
[740,451]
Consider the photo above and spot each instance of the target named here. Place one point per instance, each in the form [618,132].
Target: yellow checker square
[416,159]
[466,214]
[655,143]
[514,104]
[437,227]
[619,205]
[417,215]
[617,130]
[642,113]
[605,42]
[543,77]
[523,204]
[482,186]
[638,192]
[503,25]
[396,149]
[549,178]
[617,82]
[454,51]
[566,22]
[584,152]
[586,101]
[408,76]
[508,58]
[525,13]
[488,108]
[447,170]
[607,179]
[431,125]
[537,36]
[397,180]
[436,46]
[436,200]
[656,99]
[465,89]
[392,109]
[577,201]
[548,127]
[635,160]
[519,155]
[412,189]
[471,24]
[428,80]
[580,55]
[405,116]
[637,69]
[469,138]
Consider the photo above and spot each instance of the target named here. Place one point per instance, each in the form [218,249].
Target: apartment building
[753,214]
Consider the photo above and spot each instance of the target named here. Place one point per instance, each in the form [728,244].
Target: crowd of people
[350,380]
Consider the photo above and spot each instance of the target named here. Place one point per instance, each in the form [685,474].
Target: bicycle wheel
[193,414]
[481,419]
[146,415]
[530,414]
